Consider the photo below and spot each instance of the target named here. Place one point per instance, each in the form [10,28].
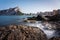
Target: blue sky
[31,6]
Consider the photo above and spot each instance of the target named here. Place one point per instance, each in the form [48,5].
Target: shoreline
[21,32]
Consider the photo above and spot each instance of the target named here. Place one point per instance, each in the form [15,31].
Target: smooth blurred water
[49,33]
[5,20]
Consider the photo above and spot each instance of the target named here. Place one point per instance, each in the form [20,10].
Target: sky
[31,6]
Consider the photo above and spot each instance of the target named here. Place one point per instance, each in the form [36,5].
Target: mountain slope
[11,11]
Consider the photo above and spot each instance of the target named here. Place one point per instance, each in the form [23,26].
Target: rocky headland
[47,16]
[51,20]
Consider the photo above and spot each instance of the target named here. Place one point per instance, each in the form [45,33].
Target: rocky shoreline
[51,25]
[20,32]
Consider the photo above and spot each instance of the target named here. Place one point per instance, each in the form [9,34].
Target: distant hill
[11,11]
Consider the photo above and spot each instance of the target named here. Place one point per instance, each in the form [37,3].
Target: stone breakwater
[20,32]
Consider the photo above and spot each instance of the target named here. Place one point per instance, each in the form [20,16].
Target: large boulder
[20,32]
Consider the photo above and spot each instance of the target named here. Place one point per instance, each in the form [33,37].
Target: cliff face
[11,11]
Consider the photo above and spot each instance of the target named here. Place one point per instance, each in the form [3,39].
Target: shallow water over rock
[47,28]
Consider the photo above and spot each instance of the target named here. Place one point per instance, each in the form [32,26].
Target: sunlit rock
[21,32]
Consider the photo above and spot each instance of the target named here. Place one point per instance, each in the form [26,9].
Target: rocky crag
[47,16]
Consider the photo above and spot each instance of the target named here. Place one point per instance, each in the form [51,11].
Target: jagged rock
[55,38]
[20,32]
[49,16]
[38,18]
[54,17]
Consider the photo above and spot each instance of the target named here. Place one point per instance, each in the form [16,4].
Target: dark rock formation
[32,18]
[54,17]
[38,18]
[20,32]
[55,38]
[50,16]
[11,11]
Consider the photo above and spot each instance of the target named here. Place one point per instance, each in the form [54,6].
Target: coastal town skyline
[31,6]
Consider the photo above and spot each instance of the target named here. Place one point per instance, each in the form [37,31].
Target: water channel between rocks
[49,33]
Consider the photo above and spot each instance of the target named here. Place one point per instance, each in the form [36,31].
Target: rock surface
[20,32]
[50,16]
[55,38]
